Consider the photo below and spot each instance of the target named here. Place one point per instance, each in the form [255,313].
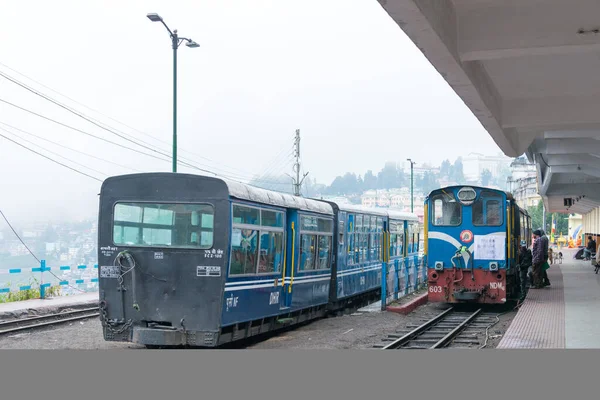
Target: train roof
[509,195]
[384,212]
[240,191]
[243,191]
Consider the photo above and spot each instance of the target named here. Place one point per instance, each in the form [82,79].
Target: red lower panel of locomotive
[464,286]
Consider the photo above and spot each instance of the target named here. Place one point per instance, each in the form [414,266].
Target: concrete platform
[566,315]
[39,306]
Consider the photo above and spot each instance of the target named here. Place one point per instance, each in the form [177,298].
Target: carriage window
[309,224]
[373,247]
[324,252]
[245,215]
[163,225]
[256,250]
[308,244]
[487,210]
[271,252]
[358,223]
[446,210]
[244,251]
[364,247]
[271,218]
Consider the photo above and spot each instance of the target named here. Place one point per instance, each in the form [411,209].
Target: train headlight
[493,266]
[439,265]
[467,195]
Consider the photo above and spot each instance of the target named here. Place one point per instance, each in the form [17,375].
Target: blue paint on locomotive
[484,215]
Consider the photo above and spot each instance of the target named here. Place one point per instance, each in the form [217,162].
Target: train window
[271,252]
[246,215]
[324,225]
[324,252]
[271,218]
[351,249]
[373,224]
[244,251]
[446,210]
[379,224]
[308,245]
[396,245]
[126,235]
[163,225]
[159,237]
[308,224]
[373,247]
[341,232]
[364,247]
[161,216]
[487,210]
[358,223]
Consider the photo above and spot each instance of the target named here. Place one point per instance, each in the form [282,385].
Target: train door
[337,283]
[285,296]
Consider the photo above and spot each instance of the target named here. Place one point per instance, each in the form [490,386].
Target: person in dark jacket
[590,248]
[525,260]
[537,259]
[544,238]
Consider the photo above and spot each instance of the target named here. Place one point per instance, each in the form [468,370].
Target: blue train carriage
[194,260]
[362,238]
[471,245]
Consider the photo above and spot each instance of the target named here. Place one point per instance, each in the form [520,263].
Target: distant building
[522,183]
[475,163]
[393,198]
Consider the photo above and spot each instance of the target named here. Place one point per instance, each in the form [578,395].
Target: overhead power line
[18,237]
[96,122]
[69,148]
[113,131]
[51,159]
[31,252]
[52,152]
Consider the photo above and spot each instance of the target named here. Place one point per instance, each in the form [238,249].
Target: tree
[536,213]
[389,177]
[445,169]
[370,181]
[486,177]
[429,182]
[457,171]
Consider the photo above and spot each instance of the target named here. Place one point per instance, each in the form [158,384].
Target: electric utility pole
[297,181]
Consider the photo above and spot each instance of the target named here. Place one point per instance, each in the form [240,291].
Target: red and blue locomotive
[471,245]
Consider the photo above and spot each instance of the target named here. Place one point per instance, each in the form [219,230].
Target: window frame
[142,225]
[480,199]
[261,229]
[432,211]
[317,234]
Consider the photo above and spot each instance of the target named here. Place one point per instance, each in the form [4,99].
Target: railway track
[449,328]
[40,321]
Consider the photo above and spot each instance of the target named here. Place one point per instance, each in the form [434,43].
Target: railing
[402,276]
[39,282]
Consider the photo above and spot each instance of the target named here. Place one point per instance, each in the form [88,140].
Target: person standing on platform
[525,260]
[537,260]
[545,241]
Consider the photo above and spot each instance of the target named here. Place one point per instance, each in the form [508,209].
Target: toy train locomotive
[471,245]
[189,260]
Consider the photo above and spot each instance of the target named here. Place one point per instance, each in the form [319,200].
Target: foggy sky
[341,71]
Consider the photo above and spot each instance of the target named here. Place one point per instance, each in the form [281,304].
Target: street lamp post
[411,184]
[176,40]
